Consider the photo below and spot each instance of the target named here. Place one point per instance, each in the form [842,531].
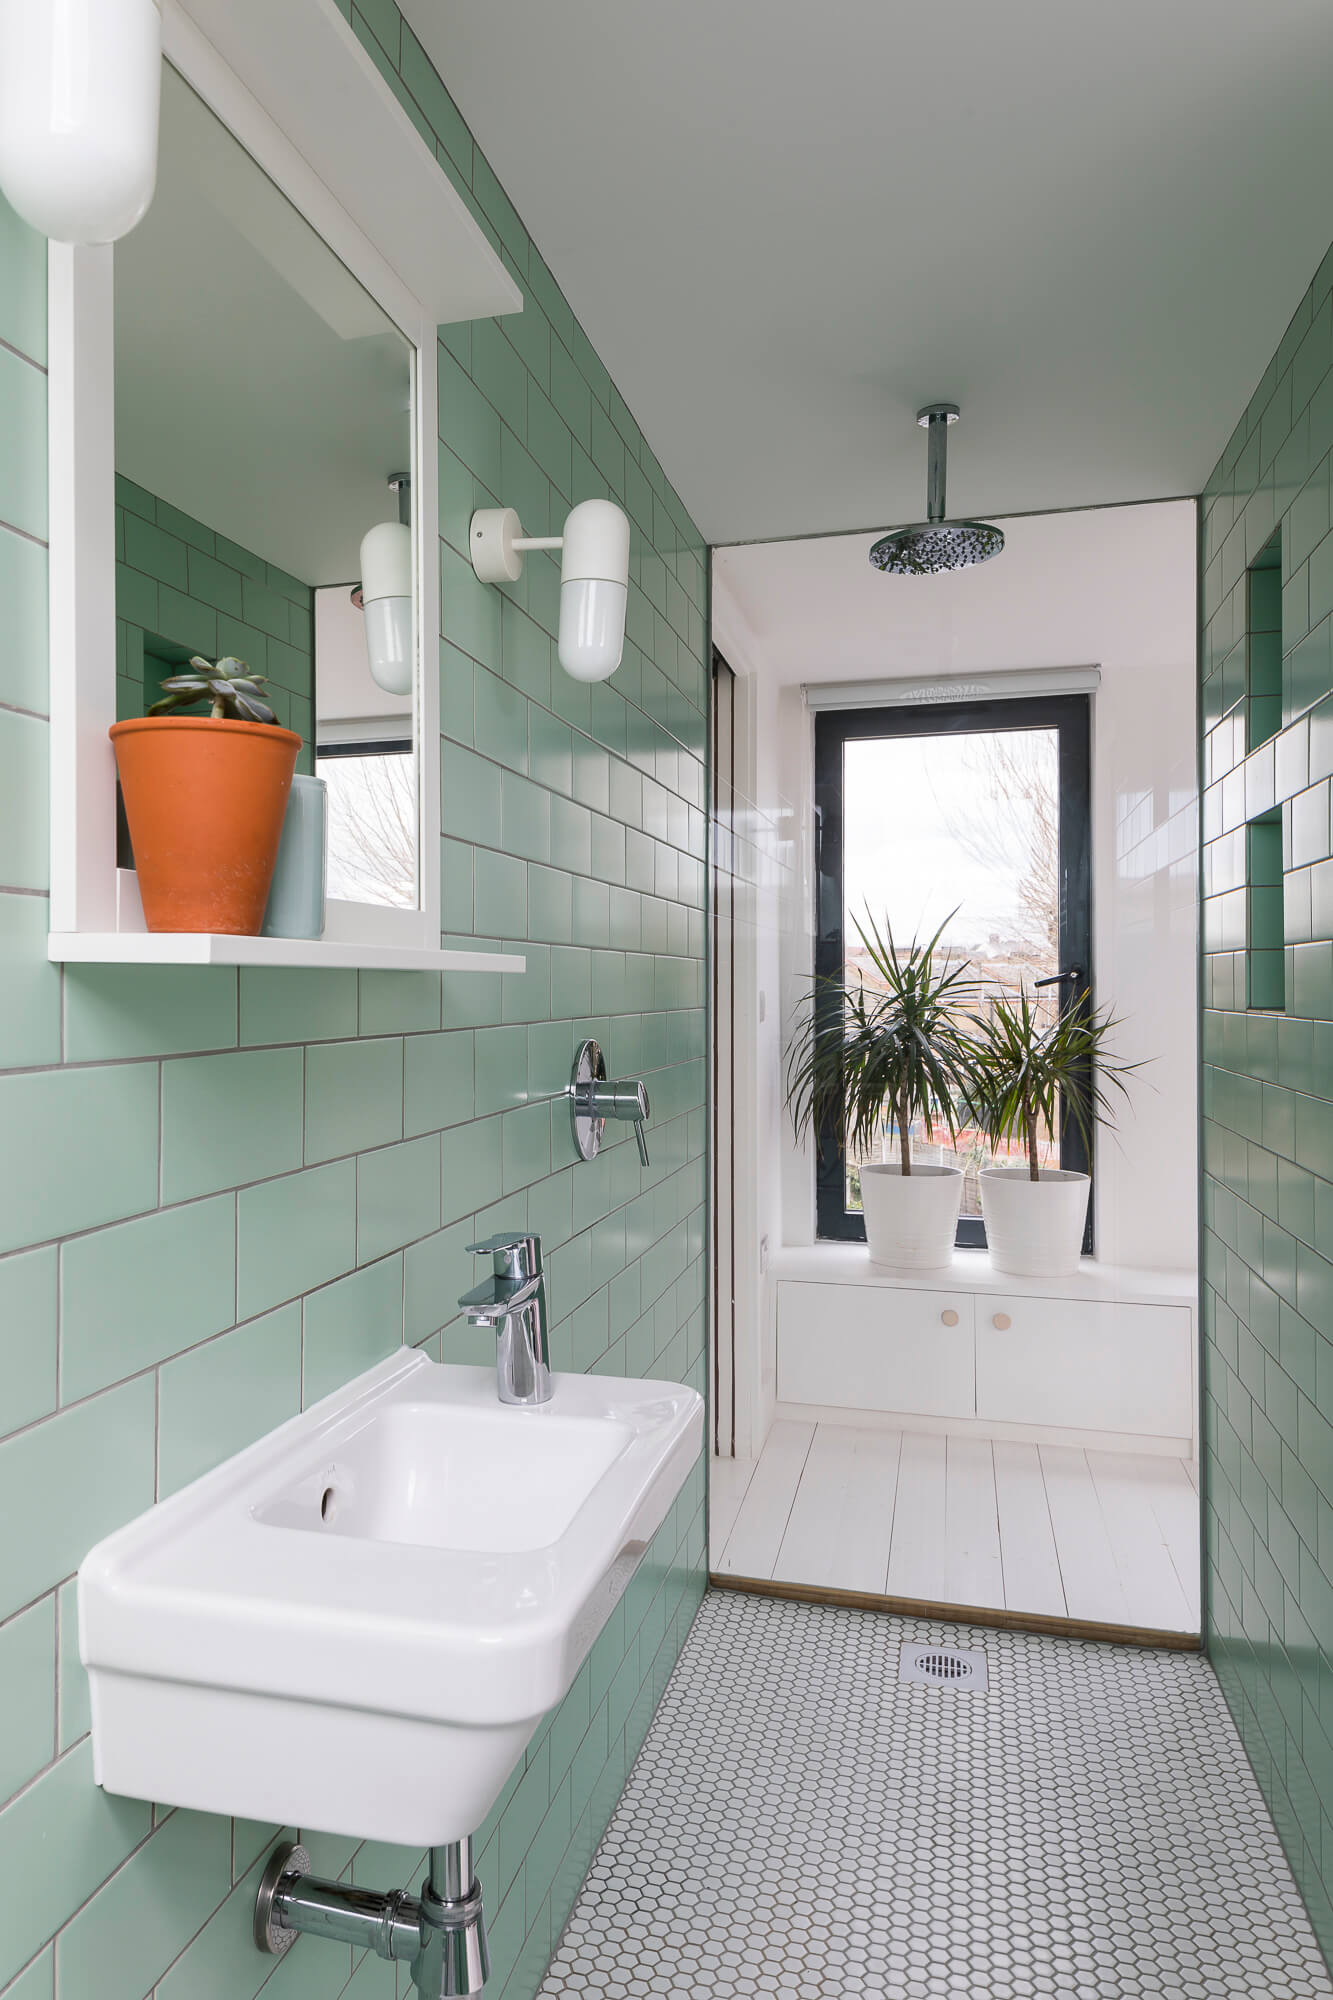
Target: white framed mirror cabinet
[241,390]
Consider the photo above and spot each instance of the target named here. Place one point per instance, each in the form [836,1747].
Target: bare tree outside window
[372,828]
[968,823]
[1008,805]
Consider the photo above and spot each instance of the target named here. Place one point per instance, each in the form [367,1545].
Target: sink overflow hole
[328,1504]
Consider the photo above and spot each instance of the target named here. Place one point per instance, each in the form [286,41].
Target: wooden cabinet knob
[948,1317]
[1001,1322]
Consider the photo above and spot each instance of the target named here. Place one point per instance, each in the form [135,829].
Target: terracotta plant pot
[205,801]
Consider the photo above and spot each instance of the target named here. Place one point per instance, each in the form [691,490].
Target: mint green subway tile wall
[223,1194]
[1266,714]
[181,589]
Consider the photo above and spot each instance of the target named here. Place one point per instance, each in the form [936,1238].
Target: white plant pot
[1034,1229]
[911,1219]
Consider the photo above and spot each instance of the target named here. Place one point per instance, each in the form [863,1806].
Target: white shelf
[212,948]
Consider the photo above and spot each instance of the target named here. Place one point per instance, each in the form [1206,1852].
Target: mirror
[263,429]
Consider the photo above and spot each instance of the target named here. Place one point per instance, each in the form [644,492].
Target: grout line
[29,1964]
[8,347]
[12,528]
[60,1329]
[58,1677]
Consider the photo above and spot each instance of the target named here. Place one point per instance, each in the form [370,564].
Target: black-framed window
[982,808]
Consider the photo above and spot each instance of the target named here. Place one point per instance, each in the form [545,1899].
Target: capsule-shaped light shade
[592,628]
[386,602]
[594,589]
[80,85]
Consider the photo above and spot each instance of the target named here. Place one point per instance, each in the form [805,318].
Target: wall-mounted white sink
[357,1624]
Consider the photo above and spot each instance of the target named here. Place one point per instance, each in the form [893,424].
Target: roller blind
[925,691]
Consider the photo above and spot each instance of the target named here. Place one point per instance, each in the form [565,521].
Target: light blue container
[296,895]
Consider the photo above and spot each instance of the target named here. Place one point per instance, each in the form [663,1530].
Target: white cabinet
[1083,1364]
[975,1354]
[869,1347]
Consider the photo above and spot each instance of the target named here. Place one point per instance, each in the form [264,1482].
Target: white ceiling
[1098,588]
[784,227]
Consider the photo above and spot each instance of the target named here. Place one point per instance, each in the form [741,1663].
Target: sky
[906,802]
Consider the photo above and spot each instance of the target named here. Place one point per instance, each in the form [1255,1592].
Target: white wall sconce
[80,85]
[594,577]
[385,594]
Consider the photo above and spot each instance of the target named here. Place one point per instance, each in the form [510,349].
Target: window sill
[210,948]
[970,1271]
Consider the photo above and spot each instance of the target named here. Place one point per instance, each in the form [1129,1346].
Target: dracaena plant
[228,685]
[1028,1069]
[903,1048]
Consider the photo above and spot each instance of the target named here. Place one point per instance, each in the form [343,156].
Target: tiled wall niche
[1265,953]
[1268,1088]
[182,589]
[222,1195]
[1263,645]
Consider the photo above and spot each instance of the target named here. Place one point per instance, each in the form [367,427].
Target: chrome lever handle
[516,1255]
[626,1101]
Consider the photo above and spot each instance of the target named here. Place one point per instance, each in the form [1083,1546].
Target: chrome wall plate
[270,1933]
[587,1124]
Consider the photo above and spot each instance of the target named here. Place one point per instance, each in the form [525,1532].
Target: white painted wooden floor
[1106,1536]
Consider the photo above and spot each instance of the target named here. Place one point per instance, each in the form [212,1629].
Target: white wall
[345,693]
[760,847]
[1113,588]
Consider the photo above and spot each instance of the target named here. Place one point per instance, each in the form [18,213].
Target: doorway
[1010,1450]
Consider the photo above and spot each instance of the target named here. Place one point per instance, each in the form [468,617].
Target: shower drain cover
[943,1666]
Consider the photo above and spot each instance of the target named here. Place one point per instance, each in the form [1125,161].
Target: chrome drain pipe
[441,1933]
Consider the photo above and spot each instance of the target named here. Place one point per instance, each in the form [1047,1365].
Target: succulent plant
[227,684]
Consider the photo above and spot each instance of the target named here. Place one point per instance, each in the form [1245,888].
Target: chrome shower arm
[925,547]
[935,419]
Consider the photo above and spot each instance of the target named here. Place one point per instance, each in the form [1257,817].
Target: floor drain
[943,1666]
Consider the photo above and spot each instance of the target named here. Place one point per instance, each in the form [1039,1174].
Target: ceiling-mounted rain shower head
[936,544]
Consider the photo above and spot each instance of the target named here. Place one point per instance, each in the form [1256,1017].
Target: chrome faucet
[514,1303]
